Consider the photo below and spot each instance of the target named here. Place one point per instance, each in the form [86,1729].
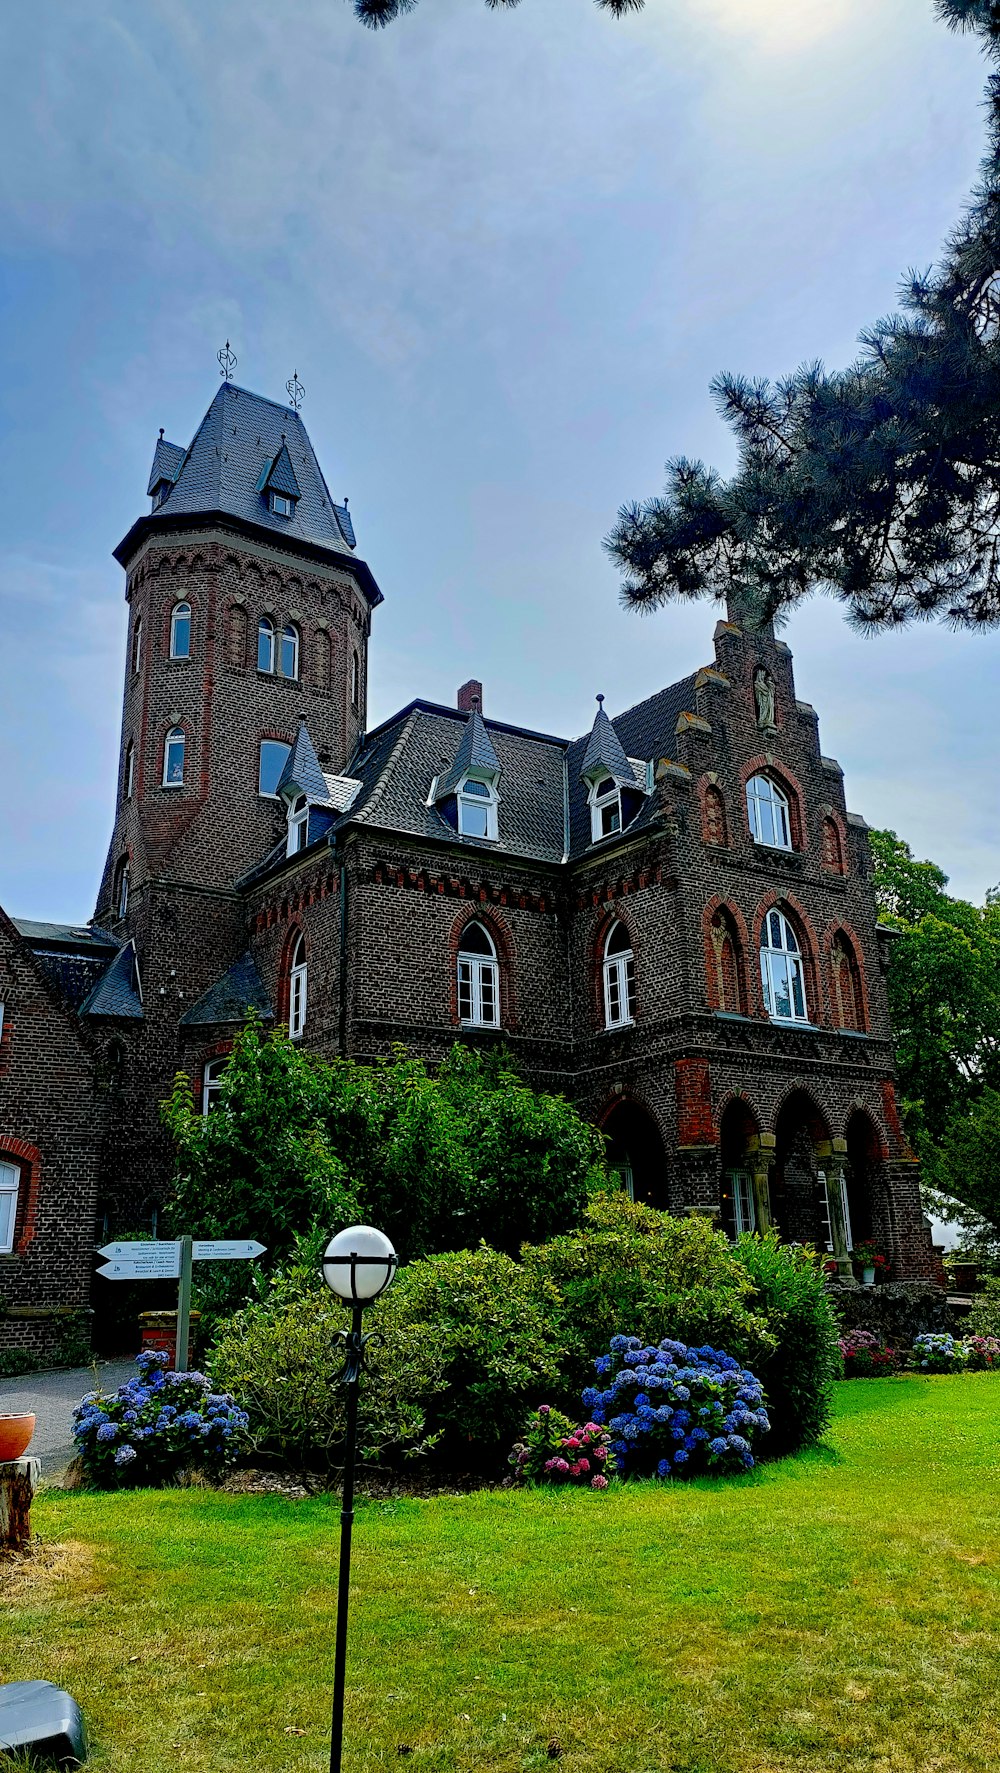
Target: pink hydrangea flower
[599,1482]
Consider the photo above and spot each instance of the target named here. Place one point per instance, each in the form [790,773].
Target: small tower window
[282,505]
[355,681]
[478,979]
[290,651]
[10,1181]
[137,643]
[128,773]
[297,990]
[211,1084]
[605,809]
[173,758]
[619,978]
[477,808]
[121,887]
[298,825]
[265,644]
[180,631]
[274,755]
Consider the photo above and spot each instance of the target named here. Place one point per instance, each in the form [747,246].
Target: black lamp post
[359,1264]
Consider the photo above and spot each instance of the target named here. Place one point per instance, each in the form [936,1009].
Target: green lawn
[839,1610]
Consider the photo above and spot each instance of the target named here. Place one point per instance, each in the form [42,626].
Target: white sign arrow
[137,1251]
[166,1267]
[228,1250]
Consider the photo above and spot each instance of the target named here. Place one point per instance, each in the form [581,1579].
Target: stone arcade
[669,918]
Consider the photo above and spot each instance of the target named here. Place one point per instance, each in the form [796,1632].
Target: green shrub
[633,1271]
[804,1360]
[984,1318]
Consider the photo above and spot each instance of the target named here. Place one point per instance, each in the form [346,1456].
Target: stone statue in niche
[763,689]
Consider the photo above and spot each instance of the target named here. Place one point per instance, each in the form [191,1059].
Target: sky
[506,252]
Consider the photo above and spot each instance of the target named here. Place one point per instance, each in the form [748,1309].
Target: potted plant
[869,1258]
[15,1435]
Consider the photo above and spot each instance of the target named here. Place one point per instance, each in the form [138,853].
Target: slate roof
[302,773]
[167,458]
[474,753]
[647,730]
[74,957]
[117,993]
[82,936]
[604,754]
[228,1000]
[241,440]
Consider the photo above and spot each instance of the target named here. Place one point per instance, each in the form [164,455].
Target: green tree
[441,1160]
[376,13]
[880,482]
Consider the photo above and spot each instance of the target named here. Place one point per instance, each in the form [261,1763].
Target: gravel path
[54,1396]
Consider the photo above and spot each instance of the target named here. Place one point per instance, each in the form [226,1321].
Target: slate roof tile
[228,1000]
[474,753]
[117,993]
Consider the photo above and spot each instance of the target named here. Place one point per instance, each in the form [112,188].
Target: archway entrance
[635,1153]
[738,1141]
[799,1202]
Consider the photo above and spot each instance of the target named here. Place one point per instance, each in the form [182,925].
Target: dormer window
[298,825]
[282,505]
[160,492]
[605,808]
[477,808]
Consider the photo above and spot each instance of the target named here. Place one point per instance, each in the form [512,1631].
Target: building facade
[670,919]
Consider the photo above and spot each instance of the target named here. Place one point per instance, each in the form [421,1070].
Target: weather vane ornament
[227,362]
[296,391]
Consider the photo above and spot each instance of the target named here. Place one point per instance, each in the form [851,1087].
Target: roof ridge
[643,702]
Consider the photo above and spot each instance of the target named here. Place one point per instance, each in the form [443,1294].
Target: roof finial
[295,390]
[227,362]
[161,430]
[600,703]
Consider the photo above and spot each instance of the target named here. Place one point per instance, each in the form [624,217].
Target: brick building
[670,919]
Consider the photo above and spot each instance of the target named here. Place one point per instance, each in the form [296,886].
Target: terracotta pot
[15,1436]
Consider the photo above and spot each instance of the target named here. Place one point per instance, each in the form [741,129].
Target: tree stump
[18,1480]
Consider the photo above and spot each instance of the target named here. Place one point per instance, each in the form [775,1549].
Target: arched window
[236,636]
[265,644]
[298,825]
[297,989]
[180,631]
[726,980]
[128,773]
[477,808]
[10,1182]
[274,754]
[121,887]
[781,971]
[322,657]
[845,986]
[114,1066]
[767,807]
[478,979]
[714,821]
[290,651]
[137,642]
[355,681]
[619,978]
[211,1084]
[173,758]
[605,808]
[833,849]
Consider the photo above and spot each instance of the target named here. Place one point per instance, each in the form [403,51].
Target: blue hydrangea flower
[108,1431]
[125,1455]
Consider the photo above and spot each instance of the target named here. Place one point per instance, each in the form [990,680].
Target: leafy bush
[677,1411]
[865,1356]
[631,1268]
[938,1354]
[553,1451]
[896,1312]
[984,1318]
[156,1425]
[799,1367]
[982,1354]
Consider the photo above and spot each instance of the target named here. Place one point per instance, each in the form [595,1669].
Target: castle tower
[248,609]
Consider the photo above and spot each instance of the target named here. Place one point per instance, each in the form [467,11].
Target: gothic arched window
[619,978]
[478,979]
[121,887]
[180,631]
[173,758]
[137,642]
[290,651]
[781,971]
[265,644]
[768,811]
[715,816]
[727,976]
[128,773]
[297,989]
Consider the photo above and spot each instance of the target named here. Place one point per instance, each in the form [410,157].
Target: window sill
[618,1027]
[480,1027]
[179,659]
[793,1022]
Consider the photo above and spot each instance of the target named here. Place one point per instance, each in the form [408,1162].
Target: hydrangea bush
[155,1425]
[866,1356]
[553,1451]
[674,1411]
[982,1353]
[937,1352]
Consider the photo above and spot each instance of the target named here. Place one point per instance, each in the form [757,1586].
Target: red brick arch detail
[816,998]
[30,1162]
[292,934]
[740,1098]
[893,1119]
[750,1000]
[219,1049]
[780,773]
[704,785]
[819,1126]
[837,927]
[476,910]
[610,914]
[879,1142]
[839,826]
[693,1089]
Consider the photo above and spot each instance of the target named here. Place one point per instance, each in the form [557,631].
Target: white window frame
[1,1019]
[282,505]
[477,794]
[137,642]
[270,793]
[181,612]
[824,1188]
[782,972]
[478,984]
[129,782]
[298,825]
[769,813]
[265,631]
[619,983]
[122,883]
[211,1083]
[605,809]
[10,1188]
[289,637]
[742,1196]
[176,736]
[298,990]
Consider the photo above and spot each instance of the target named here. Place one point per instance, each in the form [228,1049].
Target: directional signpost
[172,1261]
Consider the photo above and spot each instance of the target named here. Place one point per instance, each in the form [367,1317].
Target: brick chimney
[470,696]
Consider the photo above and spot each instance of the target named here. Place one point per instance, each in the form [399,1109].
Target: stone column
[762,1155]
[832,1157]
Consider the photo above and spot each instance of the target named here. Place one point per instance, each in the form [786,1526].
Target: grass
[839,1610]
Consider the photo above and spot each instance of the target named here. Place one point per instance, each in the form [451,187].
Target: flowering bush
[155,1425]
[982,1354]
[938,1353]
[866,1356]
[554,1452]
[870,1256]
[676,1411]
